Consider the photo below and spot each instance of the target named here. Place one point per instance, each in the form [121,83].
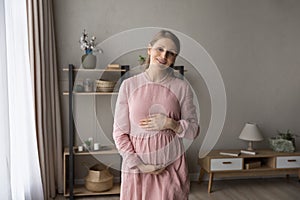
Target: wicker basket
[105,85]
[99,179]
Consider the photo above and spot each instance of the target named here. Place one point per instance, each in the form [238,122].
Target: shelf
[95,70]
[91,93]
[262,168]
[70,189]
[80,190]
[104,70]
[111,150]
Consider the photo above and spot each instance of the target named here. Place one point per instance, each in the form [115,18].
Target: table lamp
[251,133]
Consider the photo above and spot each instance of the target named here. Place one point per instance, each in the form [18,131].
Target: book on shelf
[253,164]
[248,152]
[113,66]
[230,153]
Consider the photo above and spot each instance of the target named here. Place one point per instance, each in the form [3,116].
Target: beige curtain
[45,78]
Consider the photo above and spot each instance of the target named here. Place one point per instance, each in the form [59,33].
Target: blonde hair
[163,34]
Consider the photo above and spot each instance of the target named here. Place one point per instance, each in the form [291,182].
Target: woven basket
[99,179]
[105,85]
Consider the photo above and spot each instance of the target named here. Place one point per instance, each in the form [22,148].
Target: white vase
[89,61]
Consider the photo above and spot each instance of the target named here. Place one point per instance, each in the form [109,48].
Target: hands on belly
[158,122]
[151,169]
[155,122]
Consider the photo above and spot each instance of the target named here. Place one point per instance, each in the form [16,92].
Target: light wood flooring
[245,189]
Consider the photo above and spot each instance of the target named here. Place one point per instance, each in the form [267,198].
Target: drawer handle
[292,160]
[226,163]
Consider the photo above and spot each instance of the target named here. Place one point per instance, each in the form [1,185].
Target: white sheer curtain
[19,167]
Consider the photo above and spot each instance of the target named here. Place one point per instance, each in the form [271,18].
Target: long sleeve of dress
[188,121]
[122,129]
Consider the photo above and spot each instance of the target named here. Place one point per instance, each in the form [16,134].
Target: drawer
[288,162]
[226,164]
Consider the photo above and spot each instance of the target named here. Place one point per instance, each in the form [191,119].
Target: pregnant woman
[154,112]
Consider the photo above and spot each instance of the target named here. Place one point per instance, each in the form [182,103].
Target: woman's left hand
[155,122]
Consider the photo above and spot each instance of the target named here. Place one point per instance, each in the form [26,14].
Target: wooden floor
[246,189]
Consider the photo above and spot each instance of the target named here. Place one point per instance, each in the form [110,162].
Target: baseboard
[81,181]
[195,177]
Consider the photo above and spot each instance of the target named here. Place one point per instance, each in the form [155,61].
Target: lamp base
[250,146]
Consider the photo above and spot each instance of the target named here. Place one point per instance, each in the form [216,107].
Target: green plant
[142,59]
[283,142]
[87,143]
[288,135]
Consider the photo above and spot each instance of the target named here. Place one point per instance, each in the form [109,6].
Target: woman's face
[163,52]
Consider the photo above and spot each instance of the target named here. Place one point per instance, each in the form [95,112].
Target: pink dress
[139,97]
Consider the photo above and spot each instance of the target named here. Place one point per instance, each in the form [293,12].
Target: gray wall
[254,43]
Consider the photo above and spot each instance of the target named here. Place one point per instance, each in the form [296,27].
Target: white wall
[254,43]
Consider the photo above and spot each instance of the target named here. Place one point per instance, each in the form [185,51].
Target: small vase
[88,61]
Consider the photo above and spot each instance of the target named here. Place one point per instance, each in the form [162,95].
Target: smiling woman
[154,112]
[159,43]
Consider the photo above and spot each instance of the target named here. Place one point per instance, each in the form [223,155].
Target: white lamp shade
[251,133]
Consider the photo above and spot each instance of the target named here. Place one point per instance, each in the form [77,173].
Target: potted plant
[87,145]
[141,60]
[88,60]
[283,142]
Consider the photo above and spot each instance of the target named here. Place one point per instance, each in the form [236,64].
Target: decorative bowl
[105,85]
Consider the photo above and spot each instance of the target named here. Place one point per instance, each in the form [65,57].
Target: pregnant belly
[162,148]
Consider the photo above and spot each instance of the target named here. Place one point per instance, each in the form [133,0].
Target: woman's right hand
[153,169]
[158,171]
